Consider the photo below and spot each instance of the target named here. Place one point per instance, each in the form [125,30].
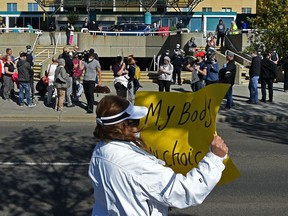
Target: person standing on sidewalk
[228,74]
[199,72]
[128,180]
[24,79]
[1,73]
[51,74]
[30,60]
[285,71]
[69,69]
[61,83]
[165,74]
[92,70]
[8,85]
[254,73]
[177,61]
[267,76]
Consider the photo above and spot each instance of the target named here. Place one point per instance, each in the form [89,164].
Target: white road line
[42,164]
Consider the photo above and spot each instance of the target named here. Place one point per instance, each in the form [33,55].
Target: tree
[271,21]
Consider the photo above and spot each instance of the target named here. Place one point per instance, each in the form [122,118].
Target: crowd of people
[20,71]
[63,75]
[263,70]
[203,66]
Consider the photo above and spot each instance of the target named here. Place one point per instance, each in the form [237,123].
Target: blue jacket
[212,72]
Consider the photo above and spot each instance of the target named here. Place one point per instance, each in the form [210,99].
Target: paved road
[242,111]
[31,186]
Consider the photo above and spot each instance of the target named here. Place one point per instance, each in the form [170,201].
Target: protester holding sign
[128,180]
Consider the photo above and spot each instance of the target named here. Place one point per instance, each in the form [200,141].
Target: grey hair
[61,61]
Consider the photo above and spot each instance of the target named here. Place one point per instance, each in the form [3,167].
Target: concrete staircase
[44,54]
[146,76]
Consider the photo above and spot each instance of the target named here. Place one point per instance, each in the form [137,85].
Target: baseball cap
[91,50]
[200,54]
[131,112]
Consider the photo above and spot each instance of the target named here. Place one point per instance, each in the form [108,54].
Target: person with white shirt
[51,75]
[128,180]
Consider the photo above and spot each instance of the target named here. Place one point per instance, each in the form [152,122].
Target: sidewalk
[267,112]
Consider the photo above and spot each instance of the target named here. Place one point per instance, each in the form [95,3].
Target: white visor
[131,112]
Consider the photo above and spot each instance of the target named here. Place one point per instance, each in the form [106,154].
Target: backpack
[137,73]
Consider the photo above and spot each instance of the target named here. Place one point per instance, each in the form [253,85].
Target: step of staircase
[149,76]
[44,53]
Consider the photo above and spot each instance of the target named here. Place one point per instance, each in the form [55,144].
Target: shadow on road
[46,189]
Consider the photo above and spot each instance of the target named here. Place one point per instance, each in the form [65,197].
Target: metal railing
[57,42]
[20,30]
[135,33]
[48,55]
[239,56]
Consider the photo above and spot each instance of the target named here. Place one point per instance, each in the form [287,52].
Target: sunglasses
[133,122]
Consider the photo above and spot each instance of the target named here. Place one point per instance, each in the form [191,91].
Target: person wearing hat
[199,72]
[165,74]
[160,58]
[227,75]
[24,79]
[128,180]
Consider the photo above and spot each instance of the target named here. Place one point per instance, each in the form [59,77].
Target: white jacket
[129,181]
[167,72]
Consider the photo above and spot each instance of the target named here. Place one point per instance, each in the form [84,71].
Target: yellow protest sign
[180,126]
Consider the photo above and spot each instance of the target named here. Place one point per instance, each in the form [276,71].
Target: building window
[32,7]
[246,10]
[206,9]
[52,8]
[226,9]
[11,6]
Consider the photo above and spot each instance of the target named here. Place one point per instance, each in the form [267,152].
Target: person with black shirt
[24,79]
[228,74]
[285,71]
[177,61]
[267,76]
[220,32]
[179,26]
[30,60]
[52,29]
[254,73]
[121,77]
[9,68]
